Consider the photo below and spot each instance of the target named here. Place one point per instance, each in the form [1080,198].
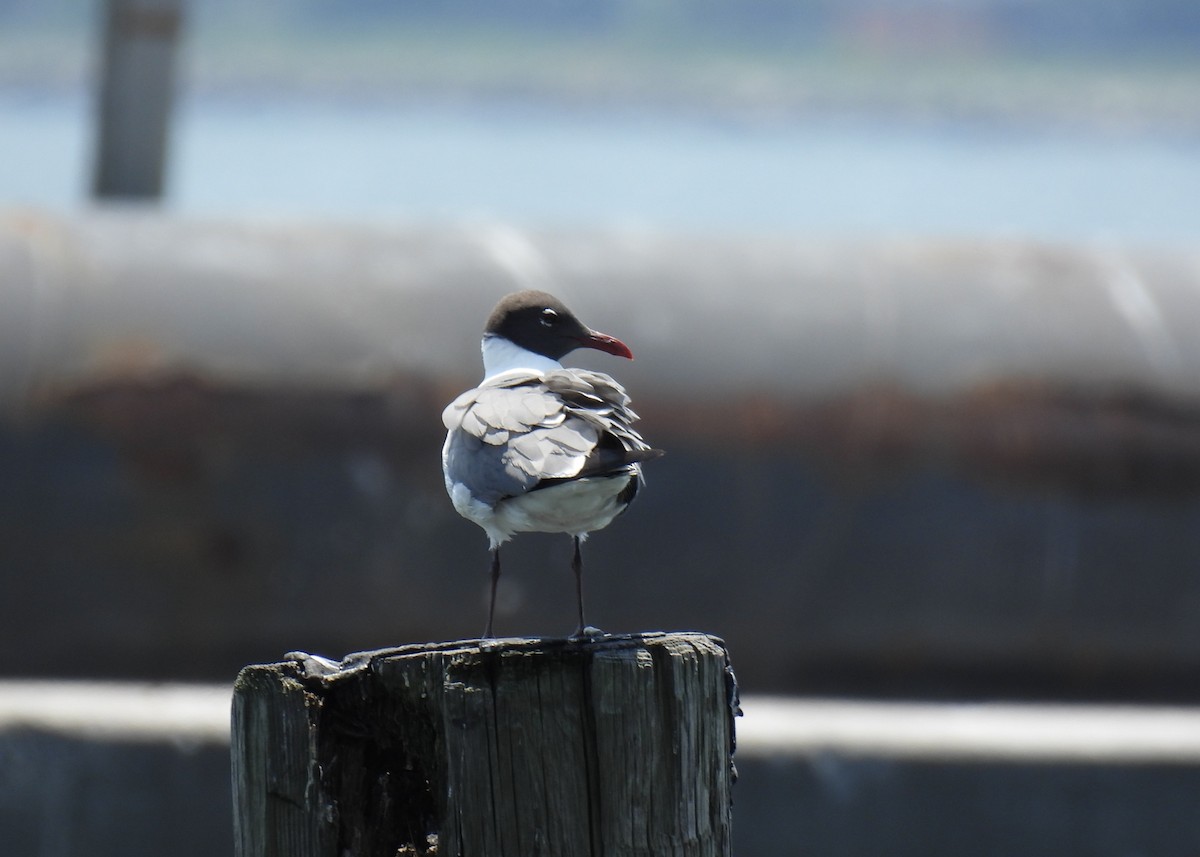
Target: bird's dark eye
[549,317]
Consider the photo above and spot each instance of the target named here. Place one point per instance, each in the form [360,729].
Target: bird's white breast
[576,507]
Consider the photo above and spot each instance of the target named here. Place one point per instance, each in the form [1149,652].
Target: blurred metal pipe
[127,292]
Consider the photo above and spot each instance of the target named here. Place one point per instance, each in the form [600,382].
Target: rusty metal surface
[893,467]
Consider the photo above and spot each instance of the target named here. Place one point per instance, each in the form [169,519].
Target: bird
[539,447]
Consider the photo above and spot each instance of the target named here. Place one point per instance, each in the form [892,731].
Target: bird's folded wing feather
[520,428]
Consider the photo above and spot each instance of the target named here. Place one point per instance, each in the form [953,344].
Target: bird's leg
[577,567]
[487,632]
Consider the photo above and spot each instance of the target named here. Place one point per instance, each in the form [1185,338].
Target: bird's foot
[587,633]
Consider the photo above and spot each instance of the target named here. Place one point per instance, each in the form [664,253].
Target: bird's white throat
[501,354]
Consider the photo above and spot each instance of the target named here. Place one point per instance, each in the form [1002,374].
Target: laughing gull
[537,447]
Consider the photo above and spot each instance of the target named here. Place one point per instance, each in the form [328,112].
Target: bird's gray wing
[507,435]
[597,398]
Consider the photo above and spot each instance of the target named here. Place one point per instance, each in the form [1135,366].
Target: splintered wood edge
[314,670]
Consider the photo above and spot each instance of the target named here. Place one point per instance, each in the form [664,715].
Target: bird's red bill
[606,343]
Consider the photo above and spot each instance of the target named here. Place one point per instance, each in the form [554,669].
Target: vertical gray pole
[137,83]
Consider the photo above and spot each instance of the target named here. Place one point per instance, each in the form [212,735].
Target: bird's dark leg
[577,567]
[487,632]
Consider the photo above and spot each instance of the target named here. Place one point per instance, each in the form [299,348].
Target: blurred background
[913,287]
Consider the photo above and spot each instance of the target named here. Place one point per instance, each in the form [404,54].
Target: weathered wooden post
[619,745]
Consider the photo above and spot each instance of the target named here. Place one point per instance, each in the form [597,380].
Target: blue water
[543,166]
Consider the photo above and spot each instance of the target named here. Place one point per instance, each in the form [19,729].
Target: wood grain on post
[619,745]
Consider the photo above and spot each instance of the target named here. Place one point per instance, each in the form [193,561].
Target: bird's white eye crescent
[549,317]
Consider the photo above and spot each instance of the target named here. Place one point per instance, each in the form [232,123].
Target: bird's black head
[541,323]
